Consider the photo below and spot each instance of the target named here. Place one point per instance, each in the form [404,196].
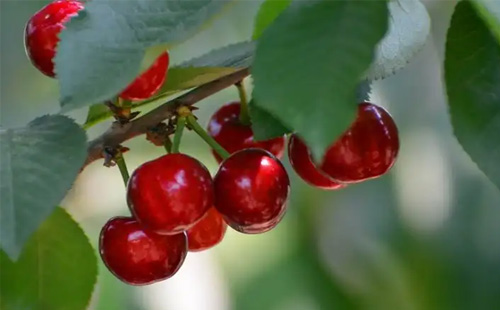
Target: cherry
[300,158]
[42,31]
[149,82]
[170,194]
[137,256]
[225,127]
[251,190]
[367,150]
[208,232]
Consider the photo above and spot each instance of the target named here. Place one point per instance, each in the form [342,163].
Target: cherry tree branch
[119,133]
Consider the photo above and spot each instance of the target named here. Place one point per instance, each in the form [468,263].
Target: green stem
[206,137]
[120,162]
[244,113]
[168,145]
[181,123]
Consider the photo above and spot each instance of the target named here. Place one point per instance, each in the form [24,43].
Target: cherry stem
[119,102]
[120,162]
[206,137]
[181,123]
[244,113]
[167,144]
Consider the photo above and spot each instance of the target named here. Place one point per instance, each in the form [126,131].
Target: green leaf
[193,73]
[267,13]
[409,29]
[489,10]
[237,55]
[309,62]
[264,125]
[472,74]
[38,164]
[57,269]
[102,48]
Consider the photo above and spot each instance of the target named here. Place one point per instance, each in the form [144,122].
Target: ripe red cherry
[137,256]
[367,150]
[251,191]
[208,232]
[42,30]
[302,163]
[170,194]
[149,82]
[225,127]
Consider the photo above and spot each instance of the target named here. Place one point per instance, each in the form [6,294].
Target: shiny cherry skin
[149,82]
[225,127]
[367,150]
[137,256]
[208,232]
[170,194]
[302,163]
[42,31]
[251,191]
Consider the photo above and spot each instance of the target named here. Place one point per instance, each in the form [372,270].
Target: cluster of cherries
[176,204]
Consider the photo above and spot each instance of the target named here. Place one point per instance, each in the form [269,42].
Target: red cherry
[225,127]
[251,191]
[208,232]
[300,158]
[170,194]
[137,256]
[42,31]
[149,82]
[367,150]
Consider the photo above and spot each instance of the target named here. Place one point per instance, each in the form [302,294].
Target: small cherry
[42,32]
[225,127]
[149,82]
[170,194]
[251,191]
[302,163]
[367,150]
[208,232]
[137,256]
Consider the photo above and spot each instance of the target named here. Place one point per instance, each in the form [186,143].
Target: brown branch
[118,133]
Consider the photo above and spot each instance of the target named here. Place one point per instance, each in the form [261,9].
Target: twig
[118,133]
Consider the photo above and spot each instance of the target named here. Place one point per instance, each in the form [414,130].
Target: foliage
[311,62]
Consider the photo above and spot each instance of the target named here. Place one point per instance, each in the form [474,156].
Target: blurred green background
[425,236]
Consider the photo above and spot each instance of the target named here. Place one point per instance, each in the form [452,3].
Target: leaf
[489,10]
[472,75]
[409,28]
[37,166]
[238,55]
[193,73]
[309,62]
[57,269]
[363,91]
[264,125]
[101,49]
[267,13]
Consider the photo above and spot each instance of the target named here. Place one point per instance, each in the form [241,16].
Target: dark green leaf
[490,12]
[472,74]
[38,166]
[57,269]
[112,36]
[268,12]
[193,73]
[309,62]
[264,125]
